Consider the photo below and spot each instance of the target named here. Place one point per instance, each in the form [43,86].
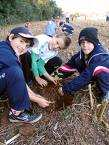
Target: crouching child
[92,63]
[12,79]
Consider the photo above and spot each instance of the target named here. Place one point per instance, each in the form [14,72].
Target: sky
[84,6]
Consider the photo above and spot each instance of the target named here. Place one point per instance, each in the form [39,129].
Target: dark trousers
[13,83]
[50,66]
[53,64]
[26,67]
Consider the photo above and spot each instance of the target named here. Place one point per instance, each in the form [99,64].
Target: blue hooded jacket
[7,56]
[95,66]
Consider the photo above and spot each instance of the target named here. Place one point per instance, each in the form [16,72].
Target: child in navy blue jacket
[12,79]
[92,62]
[67,28]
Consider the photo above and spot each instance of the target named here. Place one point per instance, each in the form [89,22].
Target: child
[50,28]
[44,57]
[28,25]
[92,62]
[66,28]
[12,79]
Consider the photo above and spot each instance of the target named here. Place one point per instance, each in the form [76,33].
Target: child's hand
[60,91]
[38,98]
[51,78]
[41,81]
[43,102]
[54,80]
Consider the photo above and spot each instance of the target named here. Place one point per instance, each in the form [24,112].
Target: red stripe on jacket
[100,69]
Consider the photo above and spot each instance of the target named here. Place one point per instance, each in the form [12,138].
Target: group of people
[12,78]
[92,63]
[67,27]
[55,25]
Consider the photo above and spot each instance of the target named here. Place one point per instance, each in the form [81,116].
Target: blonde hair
[67,40]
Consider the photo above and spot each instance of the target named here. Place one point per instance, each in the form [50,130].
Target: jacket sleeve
[78,82]
[71,63]
[34,64]
[38,68]
[68,68]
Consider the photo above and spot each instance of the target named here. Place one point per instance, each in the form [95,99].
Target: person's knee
[58,61]
[14,72]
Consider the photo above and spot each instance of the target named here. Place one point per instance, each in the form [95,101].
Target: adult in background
[50,28]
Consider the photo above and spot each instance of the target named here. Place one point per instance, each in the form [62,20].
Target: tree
[15,11]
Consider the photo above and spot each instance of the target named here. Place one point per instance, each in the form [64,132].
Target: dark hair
[89,34]
[61,23]
[27,40]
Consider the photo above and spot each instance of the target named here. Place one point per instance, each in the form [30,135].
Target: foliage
[16,11]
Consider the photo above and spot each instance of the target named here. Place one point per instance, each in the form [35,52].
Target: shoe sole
[37,119]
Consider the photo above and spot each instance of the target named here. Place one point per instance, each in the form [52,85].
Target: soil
[63,123]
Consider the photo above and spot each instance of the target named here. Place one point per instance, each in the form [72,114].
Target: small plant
[66,113]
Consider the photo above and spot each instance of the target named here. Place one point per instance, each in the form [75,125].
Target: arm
[38,69]
[37,98]
[78,82]
[50,78]
[34,59]
[96,68]
[68,68]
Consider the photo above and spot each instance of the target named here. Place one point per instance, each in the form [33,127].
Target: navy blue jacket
[9,64]
[95,66]
[7,56]
[67,28]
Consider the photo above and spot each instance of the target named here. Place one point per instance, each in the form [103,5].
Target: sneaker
[25,116]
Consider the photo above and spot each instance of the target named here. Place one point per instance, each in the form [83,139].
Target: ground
[75,124]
